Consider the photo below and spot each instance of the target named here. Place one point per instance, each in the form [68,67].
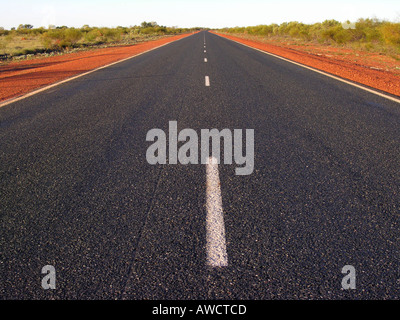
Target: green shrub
[109,35]
[71,36]
[91,36]
[390,33]
[342,36]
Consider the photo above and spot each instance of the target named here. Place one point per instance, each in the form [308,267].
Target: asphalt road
[76,191]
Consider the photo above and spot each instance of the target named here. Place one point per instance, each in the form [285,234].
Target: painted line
[216,244]
[205,51]
[205,60]
[207,81]
[321,72]
[12,100]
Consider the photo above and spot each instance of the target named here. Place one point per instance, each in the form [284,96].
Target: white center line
[205,51]
[207,81]
[216,244]
[205,59]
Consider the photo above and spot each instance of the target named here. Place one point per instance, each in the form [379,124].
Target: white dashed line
[205,51]
[216,244]
[205,60]
[207,81]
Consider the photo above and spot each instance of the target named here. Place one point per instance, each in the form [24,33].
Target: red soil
[371,69]
[18,78]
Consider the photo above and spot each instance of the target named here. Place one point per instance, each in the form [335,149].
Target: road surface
[77,193]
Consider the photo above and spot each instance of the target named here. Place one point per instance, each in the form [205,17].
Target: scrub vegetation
[365,34]
[27,40]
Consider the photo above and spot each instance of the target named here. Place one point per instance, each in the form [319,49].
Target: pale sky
[189,13]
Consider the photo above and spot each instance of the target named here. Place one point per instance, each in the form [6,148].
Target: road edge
[354,84]
[55,84]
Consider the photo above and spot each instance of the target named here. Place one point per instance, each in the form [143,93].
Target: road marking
[321,72]
[207,81]
[205,59]
[216,244]
[32,93]
[205,51]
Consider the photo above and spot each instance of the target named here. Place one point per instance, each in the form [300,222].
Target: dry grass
[17,45]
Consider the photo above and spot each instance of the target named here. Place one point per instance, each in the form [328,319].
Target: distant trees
[145,24]
[25,26]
